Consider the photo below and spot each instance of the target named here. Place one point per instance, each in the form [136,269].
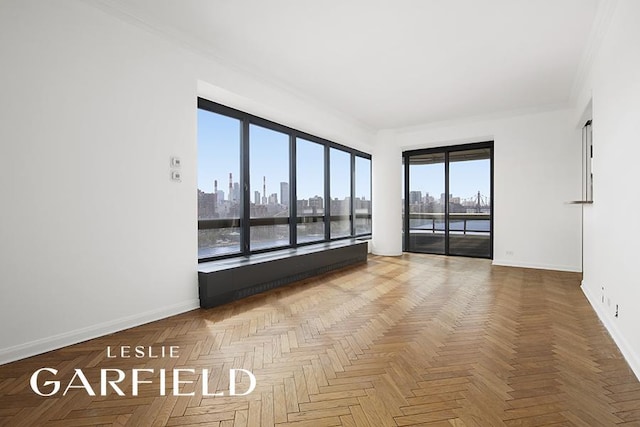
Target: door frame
[446,150]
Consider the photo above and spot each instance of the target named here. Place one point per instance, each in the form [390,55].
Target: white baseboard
[55,342]
[509,263]
[627,352]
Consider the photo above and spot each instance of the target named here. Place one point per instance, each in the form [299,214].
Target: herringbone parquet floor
[413,340]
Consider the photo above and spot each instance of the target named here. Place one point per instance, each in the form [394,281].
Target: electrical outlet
[509,253]
[616,315]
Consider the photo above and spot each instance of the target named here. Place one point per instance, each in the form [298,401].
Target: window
[263,186]
[340,208]
[310,191]
[218,205]
[362,196]
[269,185]
[587,160]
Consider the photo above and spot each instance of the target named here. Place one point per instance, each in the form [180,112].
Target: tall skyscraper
[236,192]
[284,193]
[256,197]
[264,190]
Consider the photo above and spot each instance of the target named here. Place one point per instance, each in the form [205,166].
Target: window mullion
[327,194]
[293,202]
[244,185]
[353,195]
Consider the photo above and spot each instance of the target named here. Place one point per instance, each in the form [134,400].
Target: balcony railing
[209,224]
[459,223]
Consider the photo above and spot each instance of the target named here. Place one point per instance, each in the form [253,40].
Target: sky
[214,131]
[219,154]
[466,178]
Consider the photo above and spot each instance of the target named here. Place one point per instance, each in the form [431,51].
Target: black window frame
[446,150]
[354,195]
[245,221]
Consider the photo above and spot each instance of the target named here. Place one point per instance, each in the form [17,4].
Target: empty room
[319,213]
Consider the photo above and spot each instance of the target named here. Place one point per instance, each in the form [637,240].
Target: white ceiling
[394,63]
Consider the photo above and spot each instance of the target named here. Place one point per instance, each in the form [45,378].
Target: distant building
[258,211]
[284,193]
[236,192]
[362,203]
[415,197]
[316,202]
[207,205]
[256,197]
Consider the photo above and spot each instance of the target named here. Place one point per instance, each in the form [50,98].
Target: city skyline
[224,194]
[466,178]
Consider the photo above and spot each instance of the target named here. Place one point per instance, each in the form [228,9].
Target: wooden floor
[418,339]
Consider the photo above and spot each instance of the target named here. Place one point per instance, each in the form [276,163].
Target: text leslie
[142,351]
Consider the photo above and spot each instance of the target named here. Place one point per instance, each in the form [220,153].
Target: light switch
[176,162]
[176,176]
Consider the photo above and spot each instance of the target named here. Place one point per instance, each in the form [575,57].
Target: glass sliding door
[425,203]
[470,203]
[448,200]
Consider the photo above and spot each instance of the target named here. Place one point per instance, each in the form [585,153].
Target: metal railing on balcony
[459,223]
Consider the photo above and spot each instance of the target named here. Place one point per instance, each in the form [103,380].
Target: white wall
[536,172]
[611,226]
[94,236]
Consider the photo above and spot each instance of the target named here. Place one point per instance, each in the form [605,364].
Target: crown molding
[124,11]
[497,115]
[127,12]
